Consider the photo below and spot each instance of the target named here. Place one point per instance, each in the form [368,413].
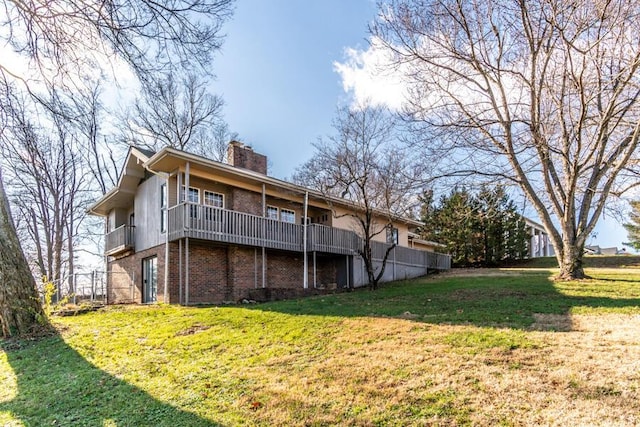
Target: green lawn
[507,298]
[590,261]
[499,347]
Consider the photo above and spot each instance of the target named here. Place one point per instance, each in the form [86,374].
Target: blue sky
[276,72]
[278,77]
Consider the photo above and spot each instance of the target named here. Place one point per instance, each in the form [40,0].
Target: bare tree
[180,114]
[64,43]
[20,308]
[362,163]
[101,155]
[65,39]
[220,139]
[543,94]
[47,184]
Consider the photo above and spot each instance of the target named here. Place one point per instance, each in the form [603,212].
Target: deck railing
[332,240]
[119,240]
[409,256]
[221,225]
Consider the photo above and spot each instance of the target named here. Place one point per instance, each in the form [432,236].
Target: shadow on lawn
[57,386]
[503,299]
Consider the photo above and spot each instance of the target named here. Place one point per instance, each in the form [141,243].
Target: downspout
[179,184]
[166,176]
[166,243]
[264,254]
[186,244]
[106,262]
[305,279]
[186,271]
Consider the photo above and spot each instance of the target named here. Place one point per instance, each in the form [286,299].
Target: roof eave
[153,160]
[95,208]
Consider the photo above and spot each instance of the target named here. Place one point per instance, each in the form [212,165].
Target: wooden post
[348,280]
[255,268]
[264,267]
[264,253]
[180,271]
[305,269]
[315,278]
[186,271]
[186,241]
[166,241]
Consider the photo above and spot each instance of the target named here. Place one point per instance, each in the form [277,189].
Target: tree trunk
[367,257]
[20,308]
[570,262]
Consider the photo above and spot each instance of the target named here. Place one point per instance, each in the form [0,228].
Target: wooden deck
[120,240]
[220,225]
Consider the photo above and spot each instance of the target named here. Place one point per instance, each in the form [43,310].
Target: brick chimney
[243,156]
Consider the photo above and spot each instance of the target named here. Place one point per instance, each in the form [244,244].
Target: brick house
[184,229]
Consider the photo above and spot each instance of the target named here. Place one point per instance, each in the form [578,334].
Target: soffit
[123,194]
[170,160]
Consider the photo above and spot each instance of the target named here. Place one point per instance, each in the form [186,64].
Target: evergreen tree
[453,223]
[516,235]
[490,203]
[484,229]
[633,227]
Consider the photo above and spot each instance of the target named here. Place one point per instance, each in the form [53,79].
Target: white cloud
[368,76]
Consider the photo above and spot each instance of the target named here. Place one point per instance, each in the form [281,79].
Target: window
[287,216]
[272,212]
[193,197]
[163,208]
[214,199]
[392,235]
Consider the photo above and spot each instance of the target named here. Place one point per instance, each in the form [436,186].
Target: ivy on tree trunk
[20,308]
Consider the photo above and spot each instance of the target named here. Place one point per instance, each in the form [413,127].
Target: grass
[500,298]
[590,261]
[489,347]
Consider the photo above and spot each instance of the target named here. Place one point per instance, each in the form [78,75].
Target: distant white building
[539,242]
[597,250]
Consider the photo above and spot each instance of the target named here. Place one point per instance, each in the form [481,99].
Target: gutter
[260,178]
